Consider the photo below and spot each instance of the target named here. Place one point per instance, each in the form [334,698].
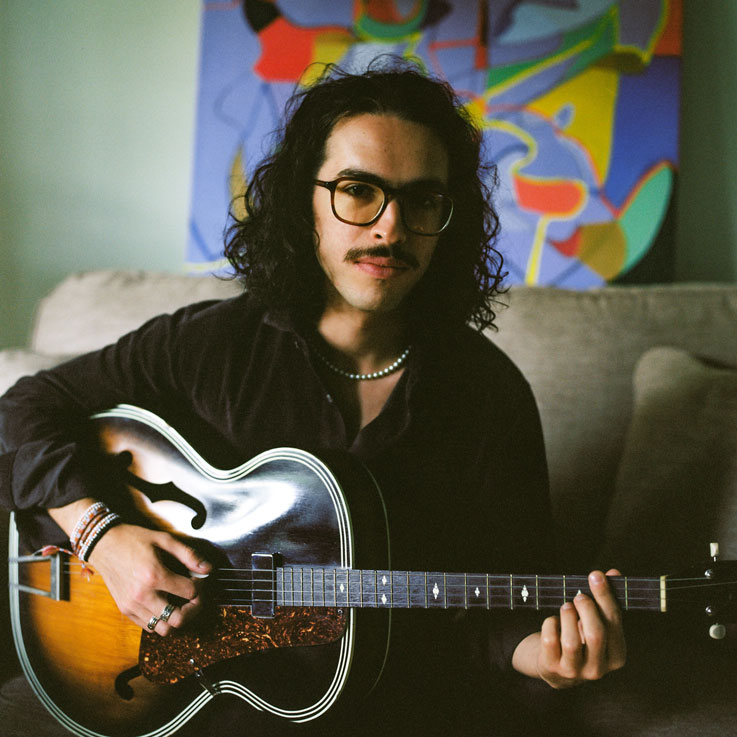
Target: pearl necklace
[390,369]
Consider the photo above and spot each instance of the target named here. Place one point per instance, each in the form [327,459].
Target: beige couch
[637,398]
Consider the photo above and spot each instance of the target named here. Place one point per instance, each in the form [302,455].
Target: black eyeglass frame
[389,193]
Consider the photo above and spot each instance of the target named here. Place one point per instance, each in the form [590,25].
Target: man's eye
[359,190]
[425,202]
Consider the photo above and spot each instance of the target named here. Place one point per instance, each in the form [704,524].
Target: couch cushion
[578,350]
[90,310]
[677,484]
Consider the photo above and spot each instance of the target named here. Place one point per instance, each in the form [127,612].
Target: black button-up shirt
[457,450]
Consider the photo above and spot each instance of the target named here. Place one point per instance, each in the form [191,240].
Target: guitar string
[544,595]
[416,596]
[549,582]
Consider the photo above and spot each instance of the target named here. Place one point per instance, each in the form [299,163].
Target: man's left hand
[584,643]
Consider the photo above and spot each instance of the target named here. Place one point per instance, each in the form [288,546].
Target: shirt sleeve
[46,455]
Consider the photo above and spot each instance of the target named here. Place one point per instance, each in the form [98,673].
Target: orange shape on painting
[556,198]
[287,50]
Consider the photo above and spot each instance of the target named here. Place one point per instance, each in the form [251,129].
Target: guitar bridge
[58,589]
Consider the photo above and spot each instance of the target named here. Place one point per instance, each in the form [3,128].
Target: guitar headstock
[710,591]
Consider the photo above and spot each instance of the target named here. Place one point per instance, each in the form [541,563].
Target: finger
[181,585]
[594,636]
[612,616]
[617,643]
[549,657]
[185,554]
[571,646]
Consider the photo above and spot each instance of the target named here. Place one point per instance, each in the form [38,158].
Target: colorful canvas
[578,100]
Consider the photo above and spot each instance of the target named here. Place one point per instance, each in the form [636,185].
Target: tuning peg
[714,550]
[717,632]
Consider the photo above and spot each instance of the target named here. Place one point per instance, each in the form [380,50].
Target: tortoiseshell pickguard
[233,631]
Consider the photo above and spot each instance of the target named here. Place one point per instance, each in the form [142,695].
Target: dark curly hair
[272,249]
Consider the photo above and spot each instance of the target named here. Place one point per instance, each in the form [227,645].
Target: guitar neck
[340,587]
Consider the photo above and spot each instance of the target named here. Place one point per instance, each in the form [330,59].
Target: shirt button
[329,397]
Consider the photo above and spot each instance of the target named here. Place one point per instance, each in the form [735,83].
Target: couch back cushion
[89,310]
[579,351]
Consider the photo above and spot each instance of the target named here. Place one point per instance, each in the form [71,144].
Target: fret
[476,591]
[417,590]
[296,587]
[318,598]
[342,580]
[525,592]
[355,589]
[384,589]
[400,590]
[368,589]
[500,592]
[434,594]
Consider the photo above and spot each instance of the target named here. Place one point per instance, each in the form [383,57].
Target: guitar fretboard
[340,587]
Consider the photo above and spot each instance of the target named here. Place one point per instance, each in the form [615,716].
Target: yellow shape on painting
[593,97]
[237,184]
[330,48]
[603,249]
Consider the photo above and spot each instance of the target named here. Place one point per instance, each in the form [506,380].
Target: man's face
[372,268]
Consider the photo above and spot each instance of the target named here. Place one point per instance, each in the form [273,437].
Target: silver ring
[168,609]
[152,623]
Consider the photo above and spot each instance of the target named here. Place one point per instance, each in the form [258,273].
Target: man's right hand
[132,562]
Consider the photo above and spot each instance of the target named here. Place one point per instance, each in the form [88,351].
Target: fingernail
[596,577]
[567,605]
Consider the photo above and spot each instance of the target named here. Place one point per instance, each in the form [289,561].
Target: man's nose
[390,226]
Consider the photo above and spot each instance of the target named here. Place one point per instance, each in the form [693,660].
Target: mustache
[396,253]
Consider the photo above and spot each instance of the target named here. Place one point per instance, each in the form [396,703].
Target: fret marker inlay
[525,594]
[435,590]
[477,592]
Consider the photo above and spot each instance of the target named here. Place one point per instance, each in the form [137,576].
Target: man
[367,248]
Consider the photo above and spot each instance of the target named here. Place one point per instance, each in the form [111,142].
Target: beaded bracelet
[84,521]
[91,539]
[95,521]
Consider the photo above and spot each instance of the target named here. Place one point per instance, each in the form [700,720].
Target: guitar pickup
[263,591]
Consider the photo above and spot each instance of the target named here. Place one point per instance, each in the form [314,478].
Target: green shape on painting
[644,215]
[584,46]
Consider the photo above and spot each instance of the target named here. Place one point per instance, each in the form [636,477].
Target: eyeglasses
[356,202]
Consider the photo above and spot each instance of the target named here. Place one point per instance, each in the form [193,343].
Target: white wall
[96,139]
[96,132]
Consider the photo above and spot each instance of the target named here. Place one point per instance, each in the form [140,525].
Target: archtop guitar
[303,585]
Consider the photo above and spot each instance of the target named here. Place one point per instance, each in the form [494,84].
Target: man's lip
[383,262]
